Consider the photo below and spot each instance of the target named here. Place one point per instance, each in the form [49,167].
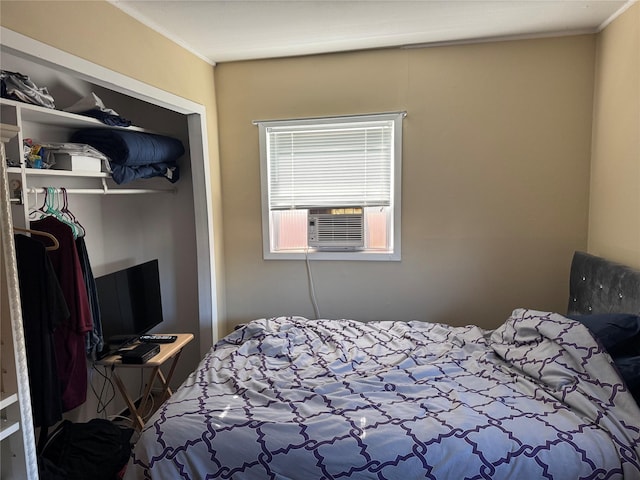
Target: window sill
[370,256]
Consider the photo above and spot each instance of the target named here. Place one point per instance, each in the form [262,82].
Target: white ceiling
[229,30]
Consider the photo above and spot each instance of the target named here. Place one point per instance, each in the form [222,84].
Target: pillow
[619,333]
[629,368]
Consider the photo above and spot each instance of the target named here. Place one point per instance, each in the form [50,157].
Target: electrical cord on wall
[312,288]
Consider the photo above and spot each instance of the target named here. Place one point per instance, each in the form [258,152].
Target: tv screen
[130,302]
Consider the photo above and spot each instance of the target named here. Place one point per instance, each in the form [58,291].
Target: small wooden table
[167,352]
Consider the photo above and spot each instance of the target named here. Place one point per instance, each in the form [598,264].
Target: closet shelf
[49,116]
[8,426]
[102,191]
[28,113]
[7,430]
[105,189]
[8,400]
[49,172]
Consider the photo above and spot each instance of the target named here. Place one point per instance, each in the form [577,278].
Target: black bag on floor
[96,450]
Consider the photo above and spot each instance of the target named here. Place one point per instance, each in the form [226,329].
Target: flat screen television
[130,303]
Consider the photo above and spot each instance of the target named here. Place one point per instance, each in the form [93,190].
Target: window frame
[393,254]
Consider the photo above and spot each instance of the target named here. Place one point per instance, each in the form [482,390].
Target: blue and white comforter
[291,398]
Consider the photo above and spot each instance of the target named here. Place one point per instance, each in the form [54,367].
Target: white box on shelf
[77,163]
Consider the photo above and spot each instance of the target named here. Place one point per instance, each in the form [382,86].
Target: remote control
[158,338]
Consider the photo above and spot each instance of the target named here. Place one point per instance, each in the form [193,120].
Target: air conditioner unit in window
[336,228]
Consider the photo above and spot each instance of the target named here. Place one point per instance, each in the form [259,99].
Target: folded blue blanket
[107,118]
[124,173]
[135,150]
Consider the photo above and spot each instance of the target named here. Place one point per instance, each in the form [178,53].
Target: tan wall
[495,178]
[614,216]
[496,165]
[102,34]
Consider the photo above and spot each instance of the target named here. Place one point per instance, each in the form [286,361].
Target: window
[340,162]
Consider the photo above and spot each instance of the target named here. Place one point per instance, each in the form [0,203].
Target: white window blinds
[343,161]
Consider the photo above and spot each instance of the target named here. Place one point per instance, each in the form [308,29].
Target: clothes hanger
[69,215]
[58,207]
[55,245]
[47,209]
[42,210]
[55,207]
[33,209]
[51,208]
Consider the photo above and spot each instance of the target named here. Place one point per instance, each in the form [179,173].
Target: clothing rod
[100,191]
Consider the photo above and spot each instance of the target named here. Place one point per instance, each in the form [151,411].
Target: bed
[292,398]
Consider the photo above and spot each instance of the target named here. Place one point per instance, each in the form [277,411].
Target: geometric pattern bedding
[291,398]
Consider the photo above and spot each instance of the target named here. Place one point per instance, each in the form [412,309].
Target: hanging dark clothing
[94,340]
[43,309]
[70,335]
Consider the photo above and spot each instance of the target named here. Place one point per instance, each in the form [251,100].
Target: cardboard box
[77,163]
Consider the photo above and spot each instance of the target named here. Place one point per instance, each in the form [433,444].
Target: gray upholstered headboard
[597,285]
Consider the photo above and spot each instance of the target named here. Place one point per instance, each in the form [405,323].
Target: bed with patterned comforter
[291,398]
